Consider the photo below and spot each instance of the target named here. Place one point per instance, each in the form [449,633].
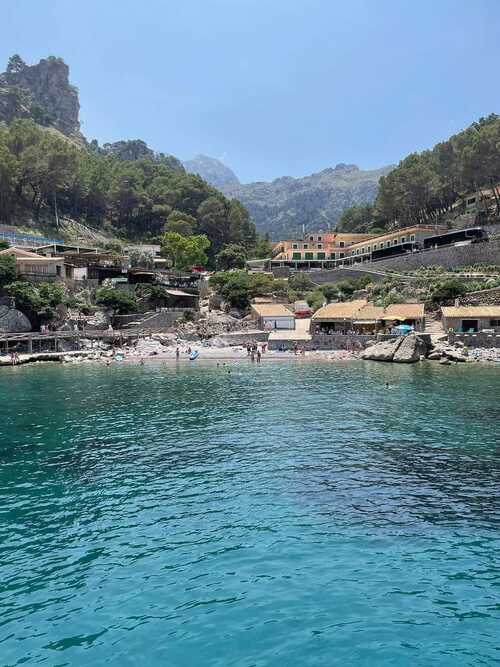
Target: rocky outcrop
[402,350]
[41,92]
[410,350]
[136,149]
[383,351]
[213,171]
[13,320]
[444,352]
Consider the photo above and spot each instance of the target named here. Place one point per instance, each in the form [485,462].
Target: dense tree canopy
[42,174]
[185,251]
[425,185]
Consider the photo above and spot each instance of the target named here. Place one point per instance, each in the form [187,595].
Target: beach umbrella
[404,328]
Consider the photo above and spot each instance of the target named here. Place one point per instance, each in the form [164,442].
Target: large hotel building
[330,249]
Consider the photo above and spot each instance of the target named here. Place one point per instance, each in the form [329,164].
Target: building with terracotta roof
[362,316]
[272,316]
[471,319]
[36,268]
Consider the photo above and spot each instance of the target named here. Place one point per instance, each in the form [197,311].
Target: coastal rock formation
[212,170]
[383,351]
[403,350]
[41,92]
[410,350]
[13,320]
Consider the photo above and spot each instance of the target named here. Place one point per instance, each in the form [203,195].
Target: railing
[25,239]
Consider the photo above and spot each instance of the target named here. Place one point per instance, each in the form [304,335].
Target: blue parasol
[404,328]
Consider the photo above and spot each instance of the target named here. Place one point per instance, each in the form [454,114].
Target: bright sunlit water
[293,514]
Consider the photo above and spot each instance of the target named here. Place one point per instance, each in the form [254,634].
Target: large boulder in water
[13,321]
[404,349]
[410,350]
[383,351]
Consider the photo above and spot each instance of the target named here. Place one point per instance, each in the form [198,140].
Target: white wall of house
[278,322]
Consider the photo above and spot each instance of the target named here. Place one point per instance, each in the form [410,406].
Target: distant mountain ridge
[211,170]
[282,207]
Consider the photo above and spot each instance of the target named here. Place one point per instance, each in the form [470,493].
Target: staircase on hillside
[433,325]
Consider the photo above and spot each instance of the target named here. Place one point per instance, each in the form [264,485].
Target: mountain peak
[211,170]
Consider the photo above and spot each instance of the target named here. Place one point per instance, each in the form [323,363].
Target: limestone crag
[41,92]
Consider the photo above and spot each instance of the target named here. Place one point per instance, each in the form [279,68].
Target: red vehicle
[301,309]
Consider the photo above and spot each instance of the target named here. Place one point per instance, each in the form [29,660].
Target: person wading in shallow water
[259,355]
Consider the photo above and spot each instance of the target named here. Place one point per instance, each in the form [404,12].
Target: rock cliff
[41,92]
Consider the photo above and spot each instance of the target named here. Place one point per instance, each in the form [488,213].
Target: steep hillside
[282,207]
[211,170]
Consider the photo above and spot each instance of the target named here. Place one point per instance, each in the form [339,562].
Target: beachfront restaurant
[336,317]
[271,316]
[362,317]
[471,319]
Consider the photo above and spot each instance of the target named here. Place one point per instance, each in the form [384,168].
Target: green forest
[43,175]
[424,186]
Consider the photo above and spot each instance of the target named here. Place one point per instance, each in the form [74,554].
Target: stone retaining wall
[475,340]
[485,297]
[449,258]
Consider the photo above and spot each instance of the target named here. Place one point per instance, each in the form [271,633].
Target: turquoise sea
[293,513]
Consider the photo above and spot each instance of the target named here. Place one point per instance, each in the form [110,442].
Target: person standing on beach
[177,353]
[252,356]
[259,355]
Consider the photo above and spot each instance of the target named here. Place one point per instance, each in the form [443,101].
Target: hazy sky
[273,87]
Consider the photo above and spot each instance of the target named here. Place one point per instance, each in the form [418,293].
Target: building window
[472,200]
[394,242]
[494,323]
[311,238]
[341,244]
[412,237]
[295,246]
[305,246]
[296,255]
[357,251]
[321,255]
[319,238]
[309,255]
[369,248]
[403,239]
[332,255]
[342,254]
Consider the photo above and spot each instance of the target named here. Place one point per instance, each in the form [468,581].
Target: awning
[365,321]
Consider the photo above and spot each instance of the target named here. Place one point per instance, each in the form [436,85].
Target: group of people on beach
[254,352]
[14,358]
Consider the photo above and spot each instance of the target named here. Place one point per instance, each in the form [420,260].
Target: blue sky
[273,87]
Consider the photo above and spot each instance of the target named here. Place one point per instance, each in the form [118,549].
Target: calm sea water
[289,514]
